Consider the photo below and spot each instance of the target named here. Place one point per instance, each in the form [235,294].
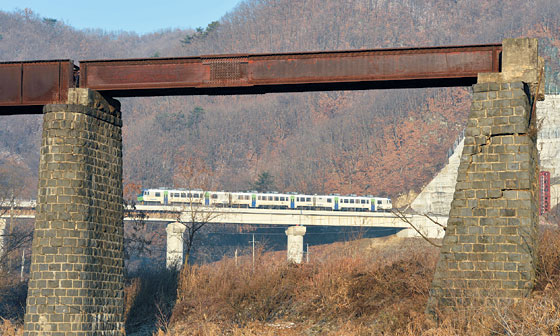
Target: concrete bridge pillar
[295,243]
[76,285]
[175,233]
[488,251]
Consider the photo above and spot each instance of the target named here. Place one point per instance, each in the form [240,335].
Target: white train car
[383,204]
[243,199]
[324,202]
[273,201]
[252,199]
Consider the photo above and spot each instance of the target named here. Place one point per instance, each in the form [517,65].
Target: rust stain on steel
[10,85]
[30,85]
[26,86]
[399,66]
[260,73]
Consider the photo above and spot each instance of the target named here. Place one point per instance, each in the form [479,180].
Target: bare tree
[10,185]
[138,238]
[194,216]
[195,175]
[12,237]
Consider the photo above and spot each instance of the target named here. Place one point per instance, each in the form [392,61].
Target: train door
[336,203]
[165,197]
[292,202]
[207,198]
[253,201]
[372,201]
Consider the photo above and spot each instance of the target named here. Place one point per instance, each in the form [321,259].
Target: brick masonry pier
[489,247]
[76,284]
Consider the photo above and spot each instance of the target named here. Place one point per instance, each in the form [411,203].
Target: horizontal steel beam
[26,86]
[291,72]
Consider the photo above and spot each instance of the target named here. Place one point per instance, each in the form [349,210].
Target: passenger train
[253,199]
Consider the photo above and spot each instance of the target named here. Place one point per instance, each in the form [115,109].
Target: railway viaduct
[76,285]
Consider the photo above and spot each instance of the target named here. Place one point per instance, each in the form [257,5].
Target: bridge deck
[161,213]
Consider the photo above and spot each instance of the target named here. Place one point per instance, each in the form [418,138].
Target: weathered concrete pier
[175,242]
[295,243]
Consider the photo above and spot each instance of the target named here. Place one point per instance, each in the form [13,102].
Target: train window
[158,194]
[345,201]
[183,195]
[329,200]
[352,201]
[363,201]
[308,199]
[214,196]
[177,195]
[146,192]
[270,198]
[189,195]
[378,201]
[196,195]
[276,198]
[282,199]
[260,198]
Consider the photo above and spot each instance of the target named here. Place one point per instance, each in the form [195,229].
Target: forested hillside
[374,142]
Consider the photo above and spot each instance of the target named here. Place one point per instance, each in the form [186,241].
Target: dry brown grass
[7,328]
[353,289]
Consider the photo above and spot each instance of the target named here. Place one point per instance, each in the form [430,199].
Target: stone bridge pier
[76,284]
[488,251]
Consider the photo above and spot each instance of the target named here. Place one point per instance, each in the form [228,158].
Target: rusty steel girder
[26,86]
[291,72]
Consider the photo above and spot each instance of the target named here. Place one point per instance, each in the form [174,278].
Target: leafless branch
[435,222]
[400,215]
[194,217]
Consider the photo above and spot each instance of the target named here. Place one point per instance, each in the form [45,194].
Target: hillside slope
[375,142]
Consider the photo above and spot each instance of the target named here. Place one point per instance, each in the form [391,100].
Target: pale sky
[140,16]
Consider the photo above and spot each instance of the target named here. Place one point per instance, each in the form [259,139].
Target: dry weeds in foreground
[8,328]
[348,289]
[355,290]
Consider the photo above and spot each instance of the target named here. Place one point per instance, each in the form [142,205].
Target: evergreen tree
[265,182]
